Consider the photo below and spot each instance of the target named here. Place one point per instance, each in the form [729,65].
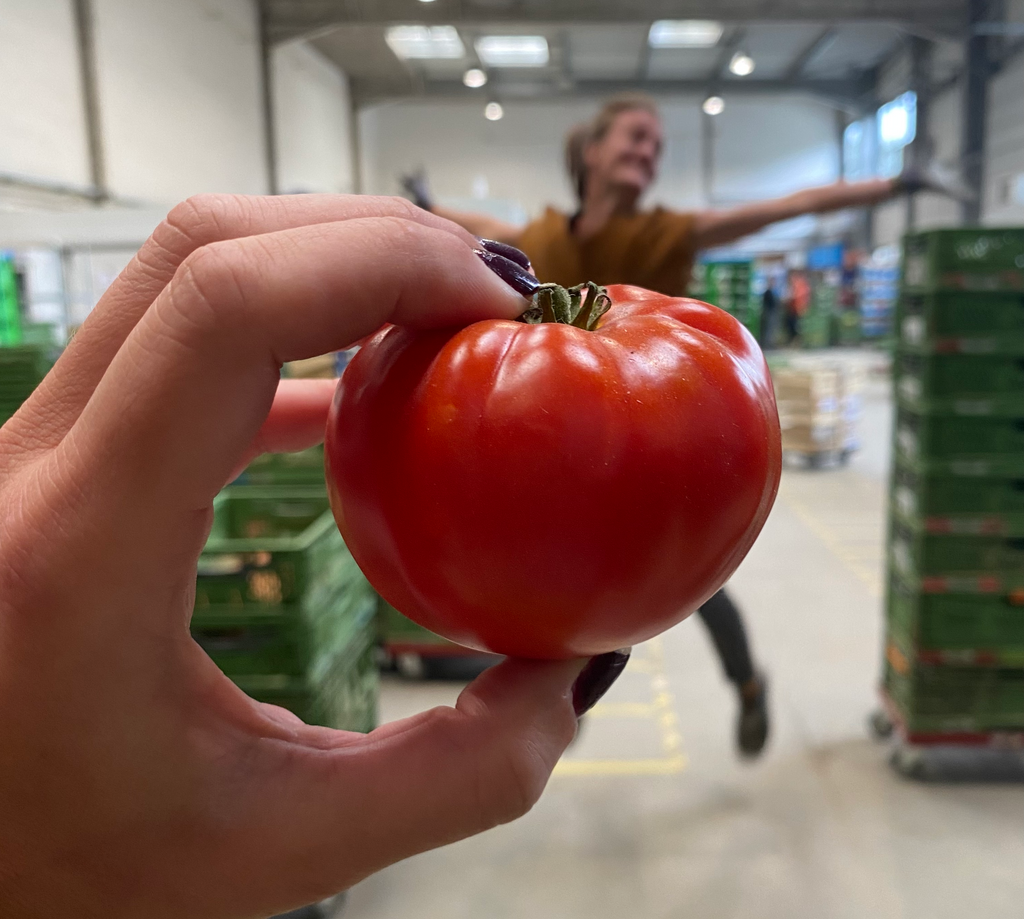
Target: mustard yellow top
[653,249]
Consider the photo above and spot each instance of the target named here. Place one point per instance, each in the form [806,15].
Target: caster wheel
[880,725]
[908,762]
[814,461]
[411,666]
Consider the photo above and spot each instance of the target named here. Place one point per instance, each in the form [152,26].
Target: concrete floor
[651,814]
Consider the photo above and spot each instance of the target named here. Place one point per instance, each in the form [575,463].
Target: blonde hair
[582,135]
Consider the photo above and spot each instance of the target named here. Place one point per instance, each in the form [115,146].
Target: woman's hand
[135,779]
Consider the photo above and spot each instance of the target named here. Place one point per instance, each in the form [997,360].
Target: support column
[922,149]
[267,87]
[977,67]
[85,38]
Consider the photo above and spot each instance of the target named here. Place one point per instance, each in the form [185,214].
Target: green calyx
[581,306]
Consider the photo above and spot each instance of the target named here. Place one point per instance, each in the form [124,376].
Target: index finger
[197,222]
[194,381]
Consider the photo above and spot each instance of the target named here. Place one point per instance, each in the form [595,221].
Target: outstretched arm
[482,226]
[715,228]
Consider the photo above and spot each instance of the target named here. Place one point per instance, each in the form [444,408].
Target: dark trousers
[723,621]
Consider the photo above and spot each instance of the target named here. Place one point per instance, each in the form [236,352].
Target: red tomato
[547,491]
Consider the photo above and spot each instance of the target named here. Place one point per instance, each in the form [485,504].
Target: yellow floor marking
[661,710]
[622,710]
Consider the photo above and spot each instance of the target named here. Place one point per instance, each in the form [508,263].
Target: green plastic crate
[959,375]
[928,494]
[400,634]
[948,699]
[961,320]
[917,554]
[964,259]
[280,602]
[346,698]
[968,445]
[972,627]
[305,467]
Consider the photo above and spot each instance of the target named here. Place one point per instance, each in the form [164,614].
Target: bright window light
[425,42]
[512,50]
[493,111]
[713,105]
[896,126]
[897,121]
[742,64]
[474,78]
[684,33]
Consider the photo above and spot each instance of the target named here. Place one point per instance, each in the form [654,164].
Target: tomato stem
[581,306]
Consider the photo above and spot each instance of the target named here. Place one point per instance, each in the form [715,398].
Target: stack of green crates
[283,609]
[816,326]
[22,367]
[955,601]
[728,285]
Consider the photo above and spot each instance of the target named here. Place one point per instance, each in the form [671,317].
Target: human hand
[135,779]
[929,176]
[418,188]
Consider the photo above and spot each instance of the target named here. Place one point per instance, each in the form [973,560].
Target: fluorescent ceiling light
[474,78]
[513,50]
[684,33]
[742,64]
[425,42]
[493,111]
[713,105]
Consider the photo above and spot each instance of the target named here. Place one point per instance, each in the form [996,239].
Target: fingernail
[517,277]
[510,252]
[596,679]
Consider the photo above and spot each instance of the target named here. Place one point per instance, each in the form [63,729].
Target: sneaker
[752,725]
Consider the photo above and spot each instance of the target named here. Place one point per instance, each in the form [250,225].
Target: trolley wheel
[411,666]
[880,724]
[908,762]
[844,457]
[815,460]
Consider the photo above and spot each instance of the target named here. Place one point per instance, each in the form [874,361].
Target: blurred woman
[610,239]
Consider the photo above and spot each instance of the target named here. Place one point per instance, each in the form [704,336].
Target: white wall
[179,89]
[43,132]
[764,147]
[1005,160]
[314,131]
[180,102]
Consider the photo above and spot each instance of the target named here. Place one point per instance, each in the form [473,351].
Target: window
[897,127]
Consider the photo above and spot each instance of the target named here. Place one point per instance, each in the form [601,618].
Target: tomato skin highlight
[546,491]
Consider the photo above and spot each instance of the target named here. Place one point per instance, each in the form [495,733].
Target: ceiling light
[474,78]
[493,111]
[425,42]
[684,33]
[742,64]
[513,50]
[426,1]
[713,105]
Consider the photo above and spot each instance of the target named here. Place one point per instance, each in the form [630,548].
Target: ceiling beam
[288,19]
[851,93]
[817,44]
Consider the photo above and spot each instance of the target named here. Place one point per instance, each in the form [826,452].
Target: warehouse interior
[884,597]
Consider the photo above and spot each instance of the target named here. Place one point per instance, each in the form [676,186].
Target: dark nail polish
[596,679]
[517,277]
[510,252]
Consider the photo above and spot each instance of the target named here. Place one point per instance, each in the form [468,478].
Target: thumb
[432,779]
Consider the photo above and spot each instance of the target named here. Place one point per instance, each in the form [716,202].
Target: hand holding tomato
[135,779]
[556,488]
